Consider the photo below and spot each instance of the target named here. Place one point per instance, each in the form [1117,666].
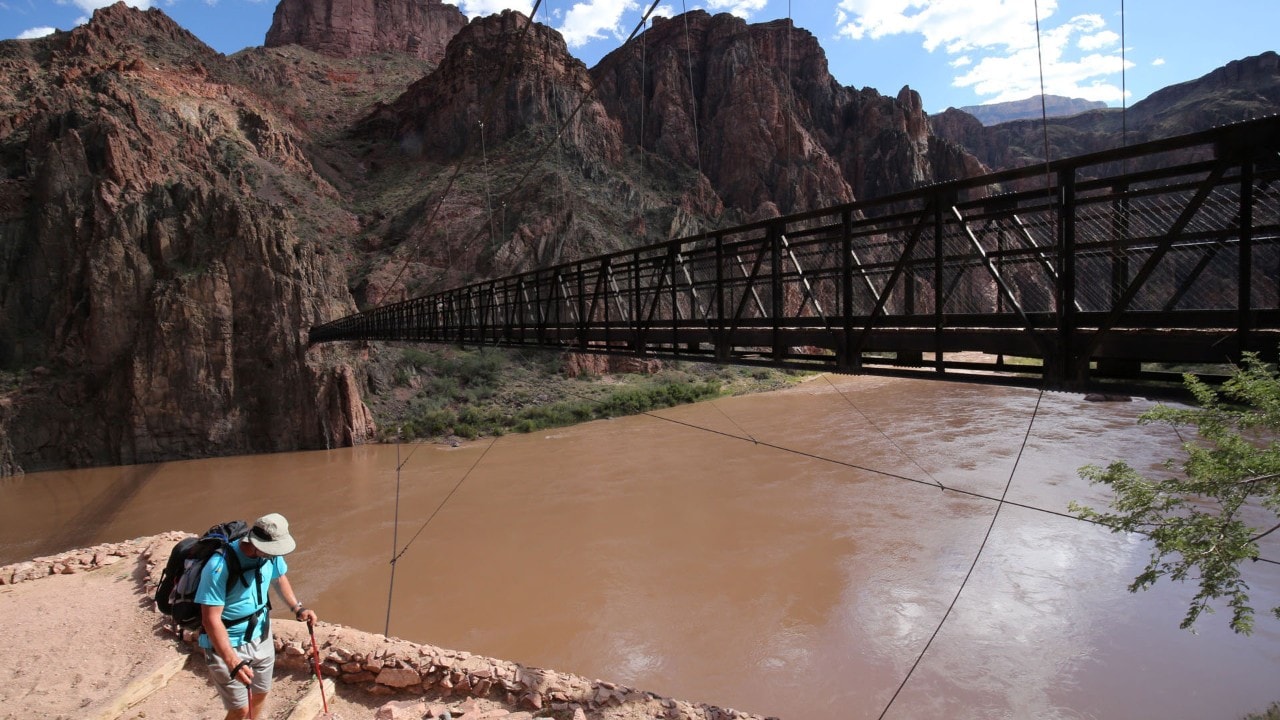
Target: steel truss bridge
[1072,274]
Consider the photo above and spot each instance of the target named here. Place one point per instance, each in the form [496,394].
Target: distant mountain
[1054,106]
[1240,90]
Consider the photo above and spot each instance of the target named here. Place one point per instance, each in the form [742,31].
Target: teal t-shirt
[245,598]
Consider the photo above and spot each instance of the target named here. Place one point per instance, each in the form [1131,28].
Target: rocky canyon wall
[147,276]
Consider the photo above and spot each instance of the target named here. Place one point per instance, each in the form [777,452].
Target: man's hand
[307,616]
[240,670]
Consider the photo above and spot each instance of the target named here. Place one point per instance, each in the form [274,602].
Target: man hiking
[237,638]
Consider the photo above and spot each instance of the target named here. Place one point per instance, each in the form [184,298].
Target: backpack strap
[237,573]
[234,570]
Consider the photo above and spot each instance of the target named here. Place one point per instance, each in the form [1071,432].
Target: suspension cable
[1044,111]
[693,97]
[488,196]
[644,94]
[889,474]
[1124,93]
[519,184]
[873,424]
[395,542]
[982,546]
[397,555]
[791,103]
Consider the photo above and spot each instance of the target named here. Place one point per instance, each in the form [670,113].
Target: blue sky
[954,52]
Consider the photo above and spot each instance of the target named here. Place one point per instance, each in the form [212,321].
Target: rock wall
[757,110]
[152,263]
[511,77]
[347,28]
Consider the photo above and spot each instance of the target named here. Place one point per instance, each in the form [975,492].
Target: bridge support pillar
[1063,373]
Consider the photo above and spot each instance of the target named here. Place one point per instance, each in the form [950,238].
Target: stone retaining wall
[383,666]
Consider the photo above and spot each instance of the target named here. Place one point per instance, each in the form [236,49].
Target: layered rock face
[545,174]
[146,272]
[347,28]
[756,110]
[503,77]
[763,129]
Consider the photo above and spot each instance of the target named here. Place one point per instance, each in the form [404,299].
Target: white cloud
[741,8]
[997,44]
[1158,62]
[593,20]
[1098,41]
[36,32]
[956,25]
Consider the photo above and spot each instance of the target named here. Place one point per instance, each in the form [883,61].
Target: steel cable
[982,546]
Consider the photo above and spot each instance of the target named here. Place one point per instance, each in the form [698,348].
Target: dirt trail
[80,638]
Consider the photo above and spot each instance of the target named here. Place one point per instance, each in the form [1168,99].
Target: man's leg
[262,658]
[259,702]
[234,694]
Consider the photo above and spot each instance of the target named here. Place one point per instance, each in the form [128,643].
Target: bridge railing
[1162,252]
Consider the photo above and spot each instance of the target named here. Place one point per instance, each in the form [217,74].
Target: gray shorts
[262,660]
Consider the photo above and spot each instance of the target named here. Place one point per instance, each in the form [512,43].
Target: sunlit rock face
[348,28]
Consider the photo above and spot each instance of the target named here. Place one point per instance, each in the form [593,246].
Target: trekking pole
[315,665]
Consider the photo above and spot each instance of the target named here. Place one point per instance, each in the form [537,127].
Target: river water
[787,554]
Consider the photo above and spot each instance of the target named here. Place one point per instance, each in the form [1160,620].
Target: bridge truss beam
[1069,274]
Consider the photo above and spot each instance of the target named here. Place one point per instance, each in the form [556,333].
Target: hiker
[237,638]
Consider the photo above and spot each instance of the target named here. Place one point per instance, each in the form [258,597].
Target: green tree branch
[1193,516]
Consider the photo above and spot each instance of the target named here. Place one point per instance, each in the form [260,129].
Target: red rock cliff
[755,108]
[151,275]
[347,28]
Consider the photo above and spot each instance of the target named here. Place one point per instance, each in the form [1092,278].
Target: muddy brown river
[787,554]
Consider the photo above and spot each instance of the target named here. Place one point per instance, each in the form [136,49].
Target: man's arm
[286,592]
[211,615]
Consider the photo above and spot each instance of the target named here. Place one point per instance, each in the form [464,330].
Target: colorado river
[787,554]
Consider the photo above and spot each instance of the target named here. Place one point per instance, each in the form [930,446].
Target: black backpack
[177,591]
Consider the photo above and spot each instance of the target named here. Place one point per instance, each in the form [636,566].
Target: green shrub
[480,368]
[433,423]
[417,359]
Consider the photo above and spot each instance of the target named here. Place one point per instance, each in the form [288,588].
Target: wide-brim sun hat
[270,534]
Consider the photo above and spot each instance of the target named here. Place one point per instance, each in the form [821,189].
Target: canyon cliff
[347,28]
[157,297]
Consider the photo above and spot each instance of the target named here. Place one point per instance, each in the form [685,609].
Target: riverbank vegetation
[1209,514]
[443,392]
